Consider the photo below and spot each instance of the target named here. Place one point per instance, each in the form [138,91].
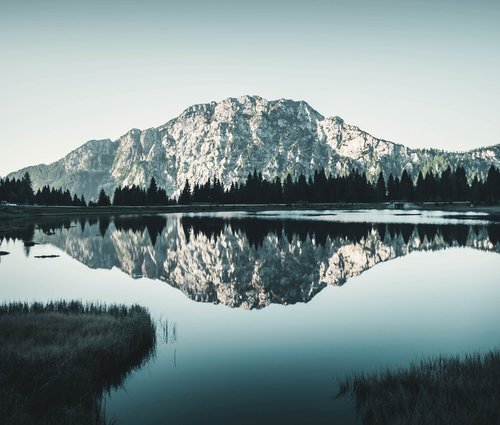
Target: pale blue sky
[424,73]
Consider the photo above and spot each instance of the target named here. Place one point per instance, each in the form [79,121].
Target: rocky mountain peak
[230,138]
[336,120]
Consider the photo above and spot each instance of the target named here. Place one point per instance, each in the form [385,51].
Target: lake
[261,314]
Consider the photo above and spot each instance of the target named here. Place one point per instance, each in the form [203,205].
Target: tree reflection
[246,262]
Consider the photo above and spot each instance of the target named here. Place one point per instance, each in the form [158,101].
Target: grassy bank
[443,390]
[58,359]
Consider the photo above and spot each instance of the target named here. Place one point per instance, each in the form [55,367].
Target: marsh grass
[57,360]
[441,390]
[168,331]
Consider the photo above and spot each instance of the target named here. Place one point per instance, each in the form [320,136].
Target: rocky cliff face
[231,138]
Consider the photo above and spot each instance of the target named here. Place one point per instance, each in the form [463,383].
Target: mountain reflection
[246,262]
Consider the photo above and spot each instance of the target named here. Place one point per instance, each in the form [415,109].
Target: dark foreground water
[261,315]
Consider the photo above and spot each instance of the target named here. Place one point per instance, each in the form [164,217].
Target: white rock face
[231,138]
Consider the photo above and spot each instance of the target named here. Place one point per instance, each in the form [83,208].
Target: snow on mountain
[231,138]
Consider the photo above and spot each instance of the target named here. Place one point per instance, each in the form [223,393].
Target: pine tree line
[17,191]
[138,196]
[450,186]
[20,191]
[51,196]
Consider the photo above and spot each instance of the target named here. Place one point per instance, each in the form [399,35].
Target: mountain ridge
[232,137]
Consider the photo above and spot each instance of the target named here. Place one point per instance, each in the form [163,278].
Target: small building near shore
[401,205]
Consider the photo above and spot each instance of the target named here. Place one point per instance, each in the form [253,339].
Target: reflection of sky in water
[365,216]
[381,216]
[278,364]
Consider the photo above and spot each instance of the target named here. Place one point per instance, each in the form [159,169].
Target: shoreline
[27,211]
[457,389]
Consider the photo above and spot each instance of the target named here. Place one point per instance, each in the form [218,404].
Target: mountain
[231,138]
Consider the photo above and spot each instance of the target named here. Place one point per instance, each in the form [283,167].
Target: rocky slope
[231,138]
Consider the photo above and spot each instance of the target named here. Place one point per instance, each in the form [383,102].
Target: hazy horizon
[423,75]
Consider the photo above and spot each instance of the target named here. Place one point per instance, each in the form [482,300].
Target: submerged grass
[58,359]
[441,390]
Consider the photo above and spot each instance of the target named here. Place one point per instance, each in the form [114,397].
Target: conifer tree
[380,189]
[406,187]
[288,196]
[185,197]
[26,196]
[103,199]
[152,192]
[461,186]
[420,188]
[393,188]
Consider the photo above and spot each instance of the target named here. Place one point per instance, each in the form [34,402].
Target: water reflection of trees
[246,262]
[257,229]
[25,231]
[49,226]
[153,224]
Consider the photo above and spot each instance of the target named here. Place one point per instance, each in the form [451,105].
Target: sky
[420,73]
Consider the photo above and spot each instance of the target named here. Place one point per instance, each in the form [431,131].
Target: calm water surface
[261,315]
